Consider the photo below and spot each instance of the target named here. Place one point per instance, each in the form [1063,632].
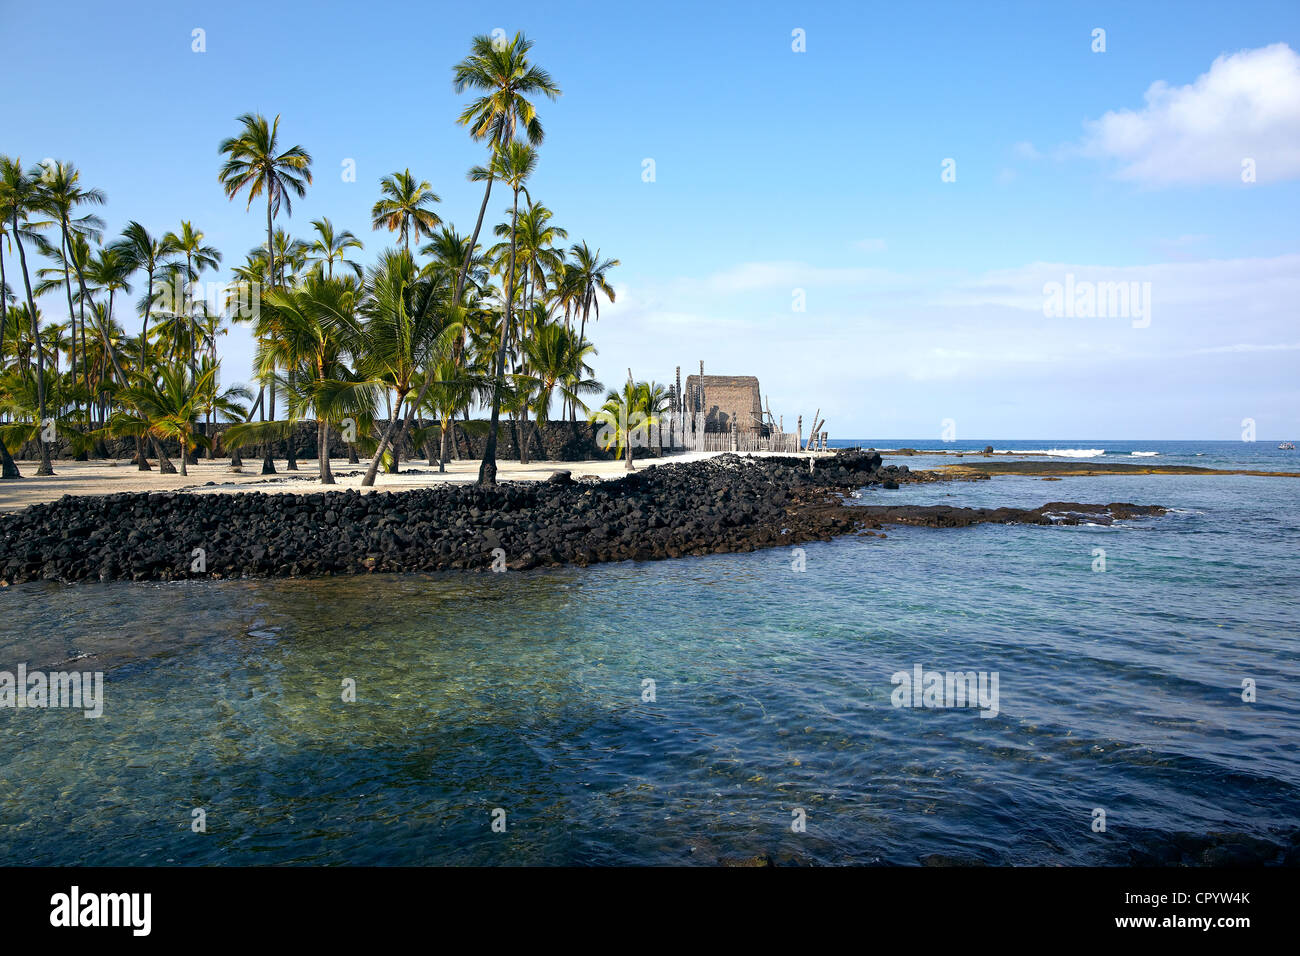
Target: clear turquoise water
[1118,690]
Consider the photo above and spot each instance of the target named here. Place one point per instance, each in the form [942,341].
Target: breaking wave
[1064,452]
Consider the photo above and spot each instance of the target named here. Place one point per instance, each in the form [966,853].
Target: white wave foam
[1144,454]
[1061,452]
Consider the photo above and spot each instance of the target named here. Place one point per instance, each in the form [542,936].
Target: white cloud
[1245,347]
[750,276]
[1238,286]
[1246,106]
[893,353]
[1026,150]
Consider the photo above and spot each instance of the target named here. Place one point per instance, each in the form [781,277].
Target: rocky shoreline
[724,504]
[1055,512]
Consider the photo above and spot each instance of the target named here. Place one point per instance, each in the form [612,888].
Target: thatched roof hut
[725,399]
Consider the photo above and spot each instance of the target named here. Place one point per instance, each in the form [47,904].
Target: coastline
[1061,469]
[714,505]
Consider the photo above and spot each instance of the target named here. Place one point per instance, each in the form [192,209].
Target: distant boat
[1287,446]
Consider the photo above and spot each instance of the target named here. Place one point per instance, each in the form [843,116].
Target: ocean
[703,710]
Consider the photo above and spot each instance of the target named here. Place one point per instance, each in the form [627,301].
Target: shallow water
[523,691]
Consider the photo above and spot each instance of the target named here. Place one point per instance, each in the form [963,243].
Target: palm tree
[291,257]
[226,405]
[447,250]
[503,75]
[251,277]
[76,249]
[556,358]
[8,467]
[631,413]
[514,164]
[451,391]
[63,194]
[21,196]
[589,275]
[167,406]
[110,269]
[210,325]
[143,251]
[535,238]
[254,161]
[189,242]
[330,247]
[408,329]
[21,395]
[402,207]
[317,330]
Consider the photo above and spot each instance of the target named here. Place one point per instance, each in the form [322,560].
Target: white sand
[107,478]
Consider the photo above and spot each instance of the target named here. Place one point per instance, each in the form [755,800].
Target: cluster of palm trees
[385,356]
[109,377]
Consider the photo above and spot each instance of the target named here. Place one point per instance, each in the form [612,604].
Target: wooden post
[811,434]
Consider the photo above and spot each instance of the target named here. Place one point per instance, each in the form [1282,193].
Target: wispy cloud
[1026,150]
[1246,107]
[938,340]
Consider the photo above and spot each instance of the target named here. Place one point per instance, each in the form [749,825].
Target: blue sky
[778,171]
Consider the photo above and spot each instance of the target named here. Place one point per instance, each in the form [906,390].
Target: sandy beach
[215,477]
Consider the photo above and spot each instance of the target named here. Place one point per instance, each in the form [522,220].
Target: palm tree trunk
[323,451]
[292,464]
[67,288]
[165,466]
[189,313]
[45,467]
[8,468]
[144,333]
[85,351]
[397,444]
[268,466]
[487,469]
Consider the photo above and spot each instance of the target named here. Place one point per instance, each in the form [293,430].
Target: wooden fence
[676,431]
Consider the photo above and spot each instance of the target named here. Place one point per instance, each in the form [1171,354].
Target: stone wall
[554,441]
